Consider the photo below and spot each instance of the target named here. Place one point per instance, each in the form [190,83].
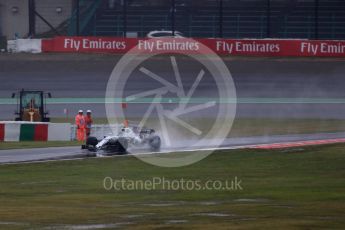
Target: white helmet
[80,111]
[88,111]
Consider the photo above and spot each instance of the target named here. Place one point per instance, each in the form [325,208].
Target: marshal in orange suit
[80,123]
[88,122]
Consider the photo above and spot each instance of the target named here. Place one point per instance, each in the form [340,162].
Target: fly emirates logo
[247,47]
[314,48]
[168,45]
[86,43]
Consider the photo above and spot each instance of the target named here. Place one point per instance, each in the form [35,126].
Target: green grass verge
[291,189]
[254,126]
[258,127]
[37,144]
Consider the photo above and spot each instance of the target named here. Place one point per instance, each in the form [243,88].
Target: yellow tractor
[31,106]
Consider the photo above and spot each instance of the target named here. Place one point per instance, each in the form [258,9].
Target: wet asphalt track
[266,87]
[280,82]
[61,153]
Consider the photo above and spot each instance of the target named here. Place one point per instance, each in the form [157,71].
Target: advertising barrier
[224,47]
[34,131]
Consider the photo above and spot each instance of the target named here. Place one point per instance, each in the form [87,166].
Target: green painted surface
[27,132]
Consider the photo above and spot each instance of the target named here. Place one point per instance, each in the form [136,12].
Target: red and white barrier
[25,46]
[34,131]
[227,47]
[224,47]
[11,132]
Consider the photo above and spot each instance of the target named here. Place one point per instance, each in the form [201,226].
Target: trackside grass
[281,189]
[242,127]
[252,126]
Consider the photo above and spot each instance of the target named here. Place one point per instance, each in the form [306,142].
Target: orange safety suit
[88,124]
[80,123]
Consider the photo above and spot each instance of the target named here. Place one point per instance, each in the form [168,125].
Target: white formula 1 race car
[127,137]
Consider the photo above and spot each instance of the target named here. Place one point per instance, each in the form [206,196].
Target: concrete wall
[18,22]
[14,22]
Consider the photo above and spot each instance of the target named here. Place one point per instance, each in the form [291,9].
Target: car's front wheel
[155,143]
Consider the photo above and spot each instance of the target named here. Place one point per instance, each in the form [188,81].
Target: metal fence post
[124,18]
[220,18]
[32,18]
[268,17]
[238,19]
[173,8]
[77,20]
[316,18]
